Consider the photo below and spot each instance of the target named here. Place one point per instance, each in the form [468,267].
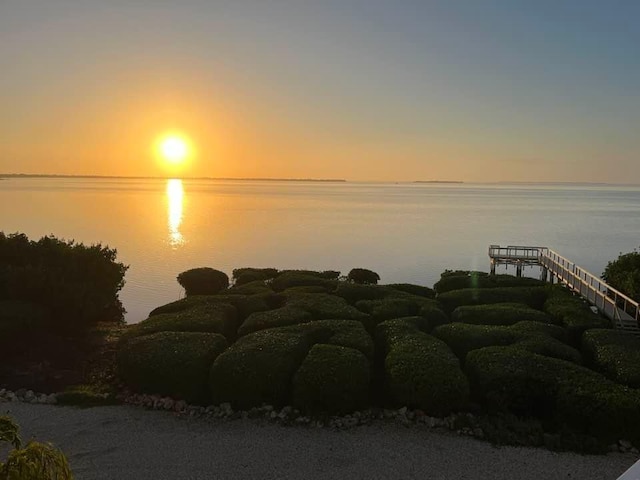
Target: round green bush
[170,363]
[573,313]
[219,318]
[244,304]
[451,282]
[353,292]
[289,279]
[242,276]
[324,306]
[363,276]
[533,297]
[417,290]
[203,281]
[258,369]
[615,354]
[280,317]
[332,379]
[498,314]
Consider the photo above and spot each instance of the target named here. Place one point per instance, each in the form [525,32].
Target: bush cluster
[242,276]
[78,285]
[615,354]
[498,314]
[472,279]
[534,385]
[203,281]
[533,297]
[420,371]
[363,276]
[294,278]
[573,313]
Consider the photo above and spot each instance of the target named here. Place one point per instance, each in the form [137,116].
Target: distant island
[437,181]
[48,175]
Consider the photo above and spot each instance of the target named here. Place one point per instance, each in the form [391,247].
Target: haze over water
[406,232]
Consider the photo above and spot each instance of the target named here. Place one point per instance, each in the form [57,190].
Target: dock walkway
[623,312]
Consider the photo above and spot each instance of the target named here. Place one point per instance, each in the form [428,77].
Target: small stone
[625,445]
[273,414]
[402,411]
[52,399]
[168,403]
[20,393]
[180,406]
[478,432]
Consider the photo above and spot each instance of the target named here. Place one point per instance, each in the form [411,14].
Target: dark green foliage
[532,336]
[417,290]
[344,333]
[533,297]
[498,314]
[84,396]
[242,276]
[203,281]
[19,323]
[304,289]
[615,354]
[434,315]
[259,368]
[250,288]
[420,371]
[170,363]
[324,306]
[332,379]
[279,317]
[386,309]
[353,292]
[624,274]
[573,313]
[363,276]
[219,318]
[77,284]
[482,280]
[295,278]
[245,304]
[534,385]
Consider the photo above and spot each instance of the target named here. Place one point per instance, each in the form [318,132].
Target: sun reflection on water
[175,202]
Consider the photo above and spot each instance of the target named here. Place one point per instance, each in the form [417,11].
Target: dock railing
[622,310]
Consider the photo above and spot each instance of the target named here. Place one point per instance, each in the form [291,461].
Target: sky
[363,90]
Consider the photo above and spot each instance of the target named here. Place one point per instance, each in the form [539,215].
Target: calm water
[405,232]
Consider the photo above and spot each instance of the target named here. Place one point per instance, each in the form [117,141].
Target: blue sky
[364,90]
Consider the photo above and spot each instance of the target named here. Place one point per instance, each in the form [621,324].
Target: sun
[174,149]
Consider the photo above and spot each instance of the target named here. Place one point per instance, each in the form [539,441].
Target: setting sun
[174,149]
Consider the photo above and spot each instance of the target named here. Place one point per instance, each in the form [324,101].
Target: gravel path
[123,442]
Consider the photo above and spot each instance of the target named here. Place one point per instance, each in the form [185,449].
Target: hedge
[533,336]
[249,288]
[203,281]
[170,363]
[324,306]
[245,304]
[417,290]
[280,317]
[529,384]
[258,369]
[242,276]
[573,313]
[301,279]
[498,314]
[363,276]
[482,280]
[219,318]
[420,371]
[332,379]
[386,309]
[533,297]
[353,292]
[615,354]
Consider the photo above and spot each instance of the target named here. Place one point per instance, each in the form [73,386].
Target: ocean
[407,232]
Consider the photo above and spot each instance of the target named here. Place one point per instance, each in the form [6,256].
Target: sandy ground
[123,442]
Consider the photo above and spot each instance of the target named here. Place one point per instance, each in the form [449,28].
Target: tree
[363,276]
[624,274]
[36,461]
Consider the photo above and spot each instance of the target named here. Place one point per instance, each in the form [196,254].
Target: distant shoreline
[122,177]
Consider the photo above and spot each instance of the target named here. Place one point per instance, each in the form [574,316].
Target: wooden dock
[623,312]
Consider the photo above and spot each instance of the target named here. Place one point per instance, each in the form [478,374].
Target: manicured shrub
[531,384]
[325,306]
[170,363]
[259,368]
[434,315]
[332,379]
[280,317]
[344,333]
[615,354]
[291,279]
[242,276]
[420,371]
[203,281]
[249,288]
[573,313]
[353,292]
[482,280]
[363,276]
[533,297]
[533,336]
[219,318]
[417,290]
[245,304]
[78,285]
[304,289]
[498,314]
[386,309]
